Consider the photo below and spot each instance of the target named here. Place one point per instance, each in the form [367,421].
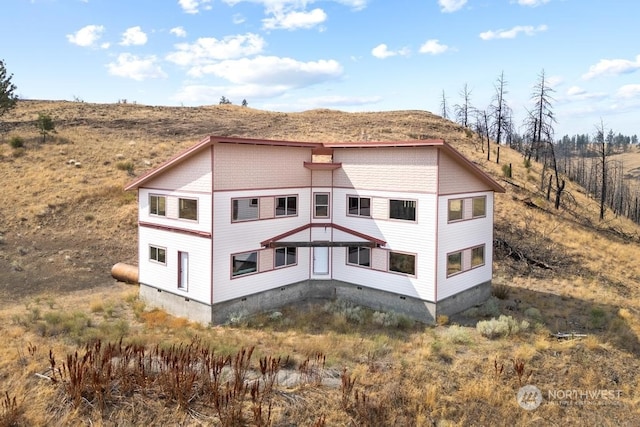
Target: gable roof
[210,140]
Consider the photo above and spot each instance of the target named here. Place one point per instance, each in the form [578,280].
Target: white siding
[165,277]
[459,236]
[406,168]
[231,238]
[193,174]
[203,223]
[401,236]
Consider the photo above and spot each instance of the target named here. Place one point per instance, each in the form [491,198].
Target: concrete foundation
[314,290]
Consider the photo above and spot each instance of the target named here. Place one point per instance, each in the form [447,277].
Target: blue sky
[350,55]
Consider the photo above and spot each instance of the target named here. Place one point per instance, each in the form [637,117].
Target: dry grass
[65,223]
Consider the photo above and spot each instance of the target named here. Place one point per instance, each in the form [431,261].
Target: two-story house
[235,225]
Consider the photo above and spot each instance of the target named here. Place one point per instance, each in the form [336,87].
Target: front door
[183,270]
[321,260]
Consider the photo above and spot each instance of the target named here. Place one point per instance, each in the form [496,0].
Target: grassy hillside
[64,221]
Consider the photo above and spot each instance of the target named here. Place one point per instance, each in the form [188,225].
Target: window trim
[193,199]
[316,205]
[473,199]
[415,210]
[157,248]
[234,275]
[484,258]
[358,264]
[461,200]
[358,215]
[286,204]
[286,264]
[415,263]
[461,270]
[251,199]
[151,205]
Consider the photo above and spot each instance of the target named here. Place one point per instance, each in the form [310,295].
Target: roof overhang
[276,241]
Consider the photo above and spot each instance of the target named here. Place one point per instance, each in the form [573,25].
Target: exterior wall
[411,169]
[192,175]
[417,238]
[165,276]
[177,305]
[455,178]
[203,224]
[244,166]
[239,237]
[463,235]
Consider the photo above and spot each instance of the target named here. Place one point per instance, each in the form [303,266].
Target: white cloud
[295,20]
[382,51]
[448,6]
[238,18]
[136,68]
[554,81]
[575,91]
[87,36]
[208,50]
[433,47]
[532,3]
[274,5]
[512,33]
[629,91]
[612,67]
[275,71]
[178,32]
[133,36]
[193,6]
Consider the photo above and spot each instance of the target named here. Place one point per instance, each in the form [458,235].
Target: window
[244,209]
[359,255]
[188,209]
[477,256]
[454,263]
[479,206]
[402,263]
[321,205]
[359,206]
[402,209]
[244,263]
[157,205]
[287,206]
[455,209]
[286,256]
[158,254]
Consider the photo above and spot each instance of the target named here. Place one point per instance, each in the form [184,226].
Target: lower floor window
[460,261]
[402,263]
[244,263]
[359,255]
[158,254]
[454,263]
[286,256]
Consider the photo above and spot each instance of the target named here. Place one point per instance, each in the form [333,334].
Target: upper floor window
[158,254]
[245,209]
[286,256]
[287,206]
[157,205]
[402,263]
[359,206]
[479,206]
[359,255]
[456,209]
[188,209]
[402,209]
[321,205]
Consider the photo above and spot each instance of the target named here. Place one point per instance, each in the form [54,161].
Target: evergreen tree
[7,97]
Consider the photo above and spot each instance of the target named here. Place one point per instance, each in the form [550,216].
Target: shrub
[16,142]
[125,166]
[506,170]
[500,291]
[501,327]
[458,335]
[533,313]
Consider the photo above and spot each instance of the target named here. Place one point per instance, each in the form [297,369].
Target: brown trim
[322,166]
[196,233]
[270,242]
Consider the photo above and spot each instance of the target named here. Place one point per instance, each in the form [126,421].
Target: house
[235,225]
